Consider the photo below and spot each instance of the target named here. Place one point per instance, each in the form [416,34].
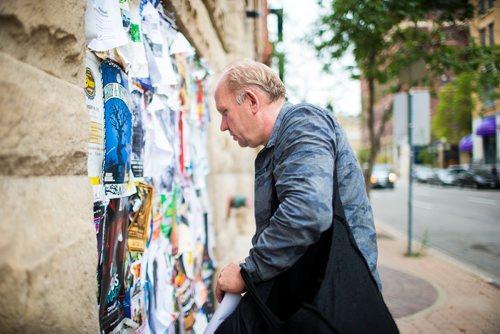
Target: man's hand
[229,280]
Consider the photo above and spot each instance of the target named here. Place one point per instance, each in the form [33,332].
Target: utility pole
[410,171]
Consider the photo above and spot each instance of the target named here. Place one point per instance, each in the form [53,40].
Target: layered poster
[95,108]
[138,131]
[112,269]
[118,134]
[140,217]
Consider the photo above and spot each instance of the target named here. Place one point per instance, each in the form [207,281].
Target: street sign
[400,118]
[421,114]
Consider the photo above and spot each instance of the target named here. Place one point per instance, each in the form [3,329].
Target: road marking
[423,205]
[482,200]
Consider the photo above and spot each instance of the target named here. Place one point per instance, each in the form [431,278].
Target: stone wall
[47,240]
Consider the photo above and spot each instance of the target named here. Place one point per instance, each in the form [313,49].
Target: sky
[304,78]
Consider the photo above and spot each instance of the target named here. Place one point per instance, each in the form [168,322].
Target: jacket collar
[274,134]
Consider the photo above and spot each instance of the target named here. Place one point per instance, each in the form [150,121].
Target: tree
[454,110]
[384,37]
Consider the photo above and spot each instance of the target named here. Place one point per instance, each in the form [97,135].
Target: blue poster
[118,129]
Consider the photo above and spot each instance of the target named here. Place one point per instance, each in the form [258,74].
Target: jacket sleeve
[303,176]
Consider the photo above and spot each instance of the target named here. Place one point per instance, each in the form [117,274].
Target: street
[462,223]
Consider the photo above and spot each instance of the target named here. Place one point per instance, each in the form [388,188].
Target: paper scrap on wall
[103,25]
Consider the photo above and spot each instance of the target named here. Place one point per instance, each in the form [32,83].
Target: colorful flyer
[118,130]
[140,217]
[113,265]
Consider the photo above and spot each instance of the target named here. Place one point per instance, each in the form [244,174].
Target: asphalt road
[462,223]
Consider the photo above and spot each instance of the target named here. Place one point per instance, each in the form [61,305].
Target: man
[293,174]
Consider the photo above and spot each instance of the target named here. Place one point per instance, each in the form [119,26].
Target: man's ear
[253,99]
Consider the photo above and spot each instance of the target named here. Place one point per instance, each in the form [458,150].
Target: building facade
[485,137]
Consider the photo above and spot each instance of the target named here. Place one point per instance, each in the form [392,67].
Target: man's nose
[223,125]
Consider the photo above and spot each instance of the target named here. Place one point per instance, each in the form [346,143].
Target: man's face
[237,118]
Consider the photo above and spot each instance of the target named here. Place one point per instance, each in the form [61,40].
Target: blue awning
[465,144]
[487,127]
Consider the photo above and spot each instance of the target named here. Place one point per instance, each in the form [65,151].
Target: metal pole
[410,179]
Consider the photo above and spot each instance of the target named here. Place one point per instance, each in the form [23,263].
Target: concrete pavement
[431,294]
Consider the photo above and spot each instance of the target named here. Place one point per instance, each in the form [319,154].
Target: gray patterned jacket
[294,191]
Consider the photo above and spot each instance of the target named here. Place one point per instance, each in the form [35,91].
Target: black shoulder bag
[330,289]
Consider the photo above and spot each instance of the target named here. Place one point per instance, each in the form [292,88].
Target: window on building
[481,7]
[482,36]
[490,4]
[489,149]
[492,34]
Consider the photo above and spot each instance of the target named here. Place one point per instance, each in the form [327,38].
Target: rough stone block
[240,224]
[44,122]
[48,256]
[46,34]
[194,22]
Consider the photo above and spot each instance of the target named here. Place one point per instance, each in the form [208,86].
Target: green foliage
[380,43]
[384,37]
[363,155]
[383,159]
[454,110]
[427,156]
[424,245]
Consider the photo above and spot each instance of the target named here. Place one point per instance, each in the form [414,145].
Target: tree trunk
[374,135]
[371,133]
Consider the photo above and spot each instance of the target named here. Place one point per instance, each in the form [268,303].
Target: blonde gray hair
[251,73]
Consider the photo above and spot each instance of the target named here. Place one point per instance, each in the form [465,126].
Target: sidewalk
[430,294]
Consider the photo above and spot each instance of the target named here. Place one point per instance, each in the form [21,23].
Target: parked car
[442,177]
[456,170]
[422,174]
[382,177]
[478,178]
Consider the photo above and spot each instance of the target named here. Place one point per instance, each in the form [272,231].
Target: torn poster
[159,158]
[118,130]
[161,71]
[161,306]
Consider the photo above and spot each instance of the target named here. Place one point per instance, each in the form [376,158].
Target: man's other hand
[229,280]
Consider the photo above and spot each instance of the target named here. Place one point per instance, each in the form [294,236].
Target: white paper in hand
[226,307]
